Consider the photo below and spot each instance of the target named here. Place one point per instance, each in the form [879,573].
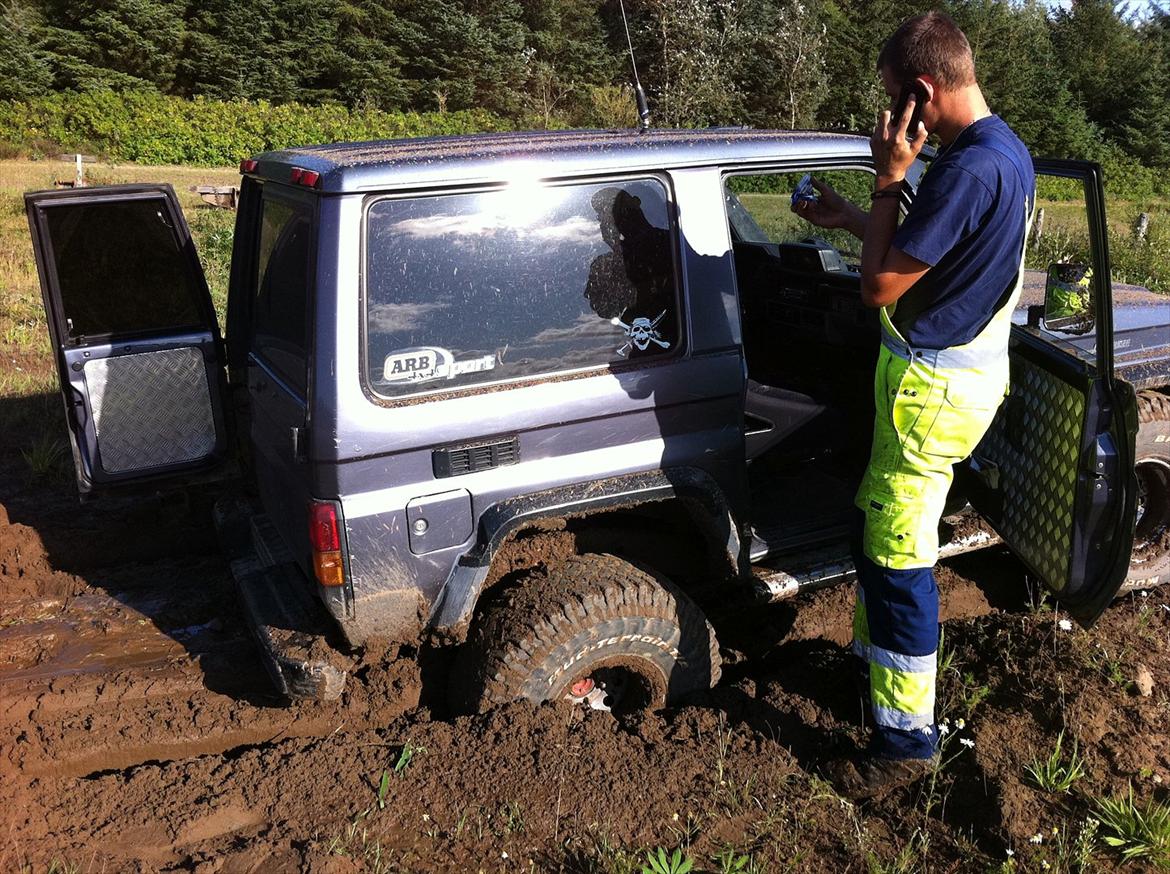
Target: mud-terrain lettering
[612,641]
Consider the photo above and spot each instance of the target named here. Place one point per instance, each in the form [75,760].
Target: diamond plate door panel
[1036,448]
[151,409]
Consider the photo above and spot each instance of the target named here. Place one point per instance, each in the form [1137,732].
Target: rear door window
[280,304]
[530,280]
[120,271]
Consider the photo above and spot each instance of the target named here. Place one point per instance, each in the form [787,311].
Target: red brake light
[323,533]
[299,176]
[248,165]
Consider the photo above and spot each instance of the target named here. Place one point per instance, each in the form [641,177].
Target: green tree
[24,71]
[565,53]
[113,43]
[1022,77]
[461,55]
[232,52]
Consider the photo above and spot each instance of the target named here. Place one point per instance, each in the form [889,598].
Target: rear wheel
[1150,562]
[598,631]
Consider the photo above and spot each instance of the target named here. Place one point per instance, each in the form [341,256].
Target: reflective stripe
[955,358]
[910,694]
[861,650]
[890,718]
[905,663]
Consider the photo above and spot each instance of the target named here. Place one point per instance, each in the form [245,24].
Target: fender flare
[455,605]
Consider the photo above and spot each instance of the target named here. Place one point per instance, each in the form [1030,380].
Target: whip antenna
[639,94]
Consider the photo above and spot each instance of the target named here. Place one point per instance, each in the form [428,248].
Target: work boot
[866,776]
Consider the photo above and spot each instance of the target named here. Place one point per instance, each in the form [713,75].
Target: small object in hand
[804,192]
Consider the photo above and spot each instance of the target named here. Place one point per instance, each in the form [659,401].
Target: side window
[281,299]
[759,208]
[465,289]
[798,285]
[1058,267]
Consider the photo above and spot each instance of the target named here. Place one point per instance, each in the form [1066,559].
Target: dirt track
[139,733]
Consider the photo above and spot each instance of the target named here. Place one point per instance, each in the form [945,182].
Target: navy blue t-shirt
[967,222]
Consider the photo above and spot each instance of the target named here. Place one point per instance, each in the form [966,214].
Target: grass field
[1065,235]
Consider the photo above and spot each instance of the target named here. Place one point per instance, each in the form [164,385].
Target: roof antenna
[639,94]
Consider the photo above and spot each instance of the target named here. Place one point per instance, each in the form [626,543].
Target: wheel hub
[603,689]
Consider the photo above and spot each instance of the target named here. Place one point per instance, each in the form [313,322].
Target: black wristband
[887,193]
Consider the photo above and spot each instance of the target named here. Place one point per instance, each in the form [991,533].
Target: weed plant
[1136,832]
[1055,773]
[657,862]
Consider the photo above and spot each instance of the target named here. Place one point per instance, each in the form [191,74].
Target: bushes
[153,128]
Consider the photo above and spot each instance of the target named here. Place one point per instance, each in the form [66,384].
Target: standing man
[946,281]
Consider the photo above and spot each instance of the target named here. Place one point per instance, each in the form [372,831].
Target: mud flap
[290,626]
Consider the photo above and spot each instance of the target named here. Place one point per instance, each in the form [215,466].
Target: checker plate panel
[151,409]
[1036,446]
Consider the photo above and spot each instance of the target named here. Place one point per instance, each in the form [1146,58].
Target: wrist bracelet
[888,193]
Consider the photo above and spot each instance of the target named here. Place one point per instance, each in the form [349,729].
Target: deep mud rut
[138,730]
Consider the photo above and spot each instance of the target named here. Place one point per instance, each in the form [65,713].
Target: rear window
[120,269]
[491,286]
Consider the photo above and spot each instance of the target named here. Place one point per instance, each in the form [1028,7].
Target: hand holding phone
[804,191]
[921,98]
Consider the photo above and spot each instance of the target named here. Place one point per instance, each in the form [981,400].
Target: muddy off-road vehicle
[523,394]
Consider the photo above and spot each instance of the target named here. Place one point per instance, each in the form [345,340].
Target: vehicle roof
[346,167]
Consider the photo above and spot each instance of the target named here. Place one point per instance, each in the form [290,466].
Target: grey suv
[523,393]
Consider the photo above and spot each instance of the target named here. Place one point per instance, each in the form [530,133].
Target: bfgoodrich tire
[1150,562]
[597,616]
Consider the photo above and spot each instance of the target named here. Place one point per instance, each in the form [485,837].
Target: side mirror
[1068,299]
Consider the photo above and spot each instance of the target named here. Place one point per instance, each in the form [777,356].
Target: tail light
[248,165]
[325,538]
[308,178]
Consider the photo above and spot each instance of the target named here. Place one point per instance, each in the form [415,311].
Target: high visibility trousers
[927,419]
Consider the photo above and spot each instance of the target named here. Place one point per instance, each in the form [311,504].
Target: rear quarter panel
[376,457]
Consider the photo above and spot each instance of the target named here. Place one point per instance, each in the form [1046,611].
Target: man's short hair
[929,45]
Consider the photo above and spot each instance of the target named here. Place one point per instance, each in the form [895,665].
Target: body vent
[458,460]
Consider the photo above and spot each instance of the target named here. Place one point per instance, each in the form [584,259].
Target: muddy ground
[138,731]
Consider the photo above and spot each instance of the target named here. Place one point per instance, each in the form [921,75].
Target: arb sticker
[424,363]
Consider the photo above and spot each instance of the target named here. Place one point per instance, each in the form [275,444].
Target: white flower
[960,724]
[943,728]
[1145,594]
[1065,625]
[967,742]
[1010,852]
[1044,864]
[504,854]
[1037,838]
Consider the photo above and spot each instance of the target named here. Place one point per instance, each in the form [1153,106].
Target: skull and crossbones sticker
[641,333]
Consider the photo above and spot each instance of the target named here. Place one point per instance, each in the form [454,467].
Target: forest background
[167,81]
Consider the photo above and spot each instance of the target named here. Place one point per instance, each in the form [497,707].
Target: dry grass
[24,338]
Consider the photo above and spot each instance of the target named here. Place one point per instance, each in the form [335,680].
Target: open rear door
[1055,474]
[134,334]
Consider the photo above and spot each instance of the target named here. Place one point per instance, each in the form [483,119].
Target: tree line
[1092,80]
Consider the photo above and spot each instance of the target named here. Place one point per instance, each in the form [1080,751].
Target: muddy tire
[1150,563]
[595,615]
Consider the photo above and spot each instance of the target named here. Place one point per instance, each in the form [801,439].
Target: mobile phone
[804,191]
[920,100]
